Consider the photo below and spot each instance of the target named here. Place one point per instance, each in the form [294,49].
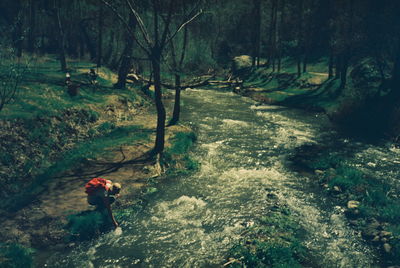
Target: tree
[300,35]
[177,65]
[153,44]
[56,14]
[256,13]
[126,58]
[11,72]
[100,36]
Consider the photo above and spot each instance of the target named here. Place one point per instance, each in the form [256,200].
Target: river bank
[356,184]
[244,181]
[104,133]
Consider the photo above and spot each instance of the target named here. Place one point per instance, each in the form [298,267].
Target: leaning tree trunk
[160,135]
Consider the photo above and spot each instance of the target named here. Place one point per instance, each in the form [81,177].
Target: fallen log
[228,82]
[135,77]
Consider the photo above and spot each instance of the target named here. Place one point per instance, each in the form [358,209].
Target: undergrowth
[378,199]
[15,256]
[87,225]
[76,157]
[177,157]
[274,242]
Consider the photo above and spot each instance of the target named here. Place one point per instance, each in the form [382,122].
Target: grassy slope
[42,94]
[311,90]
[122,124]
[377,215]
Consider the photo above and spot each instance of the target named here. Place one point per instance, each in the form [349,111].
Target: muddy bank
[40,221]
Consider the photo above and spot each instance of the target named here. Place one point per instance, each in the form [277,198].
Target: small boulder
[352,204]
[337,189]
[241,63]
[387,248]
[385,234]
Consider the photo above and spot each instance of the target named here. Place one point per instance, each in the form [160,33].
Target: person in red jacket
[102,193]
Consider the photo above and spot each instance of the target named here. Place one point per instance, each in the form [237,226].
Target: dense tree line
[134,35]
[342,30]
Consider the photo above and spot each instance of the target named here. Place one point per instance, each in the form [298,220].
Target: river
[243,149]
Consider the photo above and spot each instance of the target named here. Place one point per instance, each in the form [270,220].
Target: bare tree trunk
[395,79]
[177,105]
[298,65]
[100,37]
[178,68]
[161,115]
[126,58]
[256,33]
[330,67]
[343,70]
[61,37]
[89,44]
[305,59]
[280,36]
[18,33]
[108,53]
[300,37]
[338,66]
[32,21]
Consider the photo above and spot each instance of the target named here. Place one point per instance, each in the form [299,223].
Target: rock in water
[118,231]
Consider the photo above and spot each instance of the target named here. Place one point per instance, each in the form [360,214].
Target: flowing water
[243,149]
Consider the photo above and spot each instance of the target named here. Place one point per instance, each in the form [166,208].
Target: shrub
[106,127]
[390,213]
[15,256]
[347,178]
[182,142]
[326,161]
[376,197]
[274,243]
[177,155]
[275,255]
[87,225]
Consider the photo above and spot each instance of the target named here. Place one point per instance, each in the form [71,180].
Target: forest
[261,133]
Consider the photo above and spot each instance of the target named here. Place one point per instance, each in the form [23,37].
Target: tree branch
[142,27]
[128,27]
[183,25]
[167,22]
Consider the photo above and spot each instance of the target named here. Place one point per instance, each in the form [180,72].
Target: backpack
[95,184]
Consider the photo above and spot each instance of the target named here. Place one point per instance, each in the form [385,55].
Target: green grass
[42,90]
[177,158]
[51,117]
[76,157]
[347,178]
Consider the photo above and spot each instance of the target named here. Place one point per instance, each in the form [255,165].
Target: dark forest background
[348,35]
